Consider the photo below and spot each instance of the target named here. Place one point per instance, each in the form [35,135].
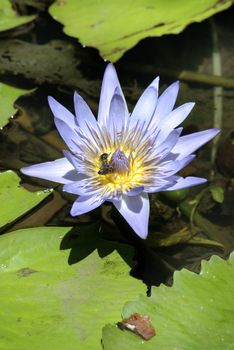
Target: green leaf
[15,200]
[8,17]
[196,313]
[114,27]
[48,304]
[8,95]
[217,193]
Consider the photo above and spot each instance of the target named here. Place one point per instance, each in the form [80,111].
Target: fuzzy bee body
[105,167]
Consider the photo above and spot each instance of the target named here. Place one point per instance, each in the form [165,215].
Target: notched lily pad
[8,17]
[114,27]
[49,304]
[15,200]
[195,313]
[8,95]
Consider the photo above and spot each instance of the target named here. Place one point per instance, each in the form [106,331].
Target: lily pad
[47,303]
[196,313]
[15,200]
[8,17]
[8,95]
[114,27]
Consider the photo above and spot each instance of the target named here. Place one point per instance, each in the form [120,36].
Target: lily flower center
[119,162]
[119,172]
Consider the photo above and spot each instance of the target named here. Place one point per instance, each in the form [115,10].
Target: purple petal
[67,134]
[172,167]
[166,102]
[59,170]
[62,113]
[84,204]
[186,182]
[64,121]
[146,104]
[135,210]
[117,113]
[165,147]
[81,187]
[75,161]
[177,116]
[173,119]
[161,185]
[189,143]
[84,114]
[109,84]
[135,191]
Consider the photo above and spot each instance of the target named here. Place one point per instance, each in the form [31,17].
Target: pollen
[120,172]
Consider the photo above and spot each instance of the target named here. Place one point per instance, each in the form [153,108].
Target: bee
[105,167]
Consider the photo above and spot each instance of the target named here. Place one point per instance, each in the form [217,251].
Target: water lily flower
[121,157]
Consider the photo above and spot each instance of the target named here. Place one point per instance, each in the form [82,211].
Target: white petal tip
[25,171]
[110,68]
[216,131]
[73,213]
[30,171]
[50,99]
[77,96]
[155,83]
[52,103]
[110,65]
[142,235]
[175,85]
[211,133]
[187,182]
